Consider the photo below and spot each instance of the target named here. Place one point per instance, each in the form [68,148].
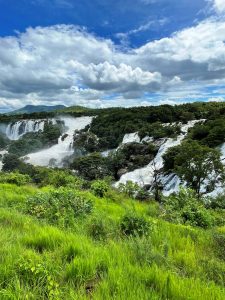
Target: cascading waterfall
[64,147]
[144,176]
[17,129]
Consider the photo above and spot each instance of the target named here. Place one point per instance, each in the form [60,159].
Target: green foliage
[133,190]
[97,229]
[210,133]
[36,275]
[59,178]
[4,141]
[169,158]
[173,262]
[112,124]
[218,202]
[86,142]
[60,206]
[157,130]
[134,225]
[100,188]
[196,164]
[91,167]
[11,162]
[185,208]
[15,178]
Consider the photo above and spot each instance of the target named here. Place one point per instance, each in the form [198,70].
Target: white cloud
[151,24]
[65,64]
[216,99]
[219,6]
[121,78]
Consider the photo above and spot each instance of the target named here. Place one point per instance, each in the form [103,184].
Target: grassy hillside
[92,258]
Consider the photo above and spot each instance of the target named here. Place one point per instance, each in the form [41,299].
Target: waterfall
[144,175]
[17,129]
[55,154]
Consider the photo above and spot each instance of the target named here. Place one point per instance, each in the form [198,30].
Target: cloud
[219,6]
[196,53]
[121,78]
[151,24]
[216,99]
[66,64]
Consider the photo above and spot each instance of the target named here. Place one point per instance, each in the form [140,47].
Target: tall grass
[40,261]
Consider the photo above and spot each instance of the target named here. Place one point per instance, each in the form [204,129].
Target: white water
[15,130]
[2,153]
[144,175]
[131,138]
[65,142]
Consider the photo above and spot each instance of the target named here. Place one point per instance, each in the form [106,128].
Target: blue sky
[105,18]
[108,53]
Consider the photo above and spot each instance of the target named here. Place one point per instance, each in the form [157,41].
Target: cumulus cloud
[66,64]
[121,78]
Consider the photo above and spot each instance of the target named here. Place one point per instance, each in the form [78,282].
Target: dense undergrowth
[97,243]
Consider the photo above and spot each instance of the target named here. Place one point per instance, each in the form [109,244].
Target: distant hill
[76,109]
[28,109]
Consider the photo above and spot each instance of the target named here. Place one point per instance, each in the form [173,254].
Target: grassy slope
[174,262]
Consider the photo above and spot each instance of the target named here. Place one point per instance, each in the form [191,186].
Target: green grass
[40,261]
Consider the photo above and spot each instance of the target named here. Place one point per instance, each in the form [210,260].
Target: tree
[156,184]
[199,166]
[10,162]
[91,167]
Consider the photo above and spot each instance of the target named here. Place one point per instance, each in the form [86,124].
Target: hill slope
[45,260]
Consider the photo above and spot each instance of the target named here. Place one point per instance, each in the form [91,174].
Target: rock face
[121,172]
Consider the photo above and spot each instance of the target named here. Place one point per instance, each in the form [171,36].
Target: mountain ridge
[27,109]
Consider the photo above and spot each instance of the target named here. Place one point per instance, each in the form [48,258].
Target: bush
[133,190]
[185,208]
[218,202]
[130,188]
[15,178]
[134,225]
[196,215]
[99,188]
[60,206]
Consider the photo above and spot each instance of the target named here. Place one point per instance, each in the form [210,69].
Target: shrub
[99,188]
[185,208]
[60,206]
[142,194]
[196,215]
[134,225]
[130,188]
[37,276]
[15,178]
[218,202]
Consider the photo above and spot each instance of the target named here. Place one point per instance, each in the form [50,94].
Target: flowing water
[64,147]
[144,176]
[17,129]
